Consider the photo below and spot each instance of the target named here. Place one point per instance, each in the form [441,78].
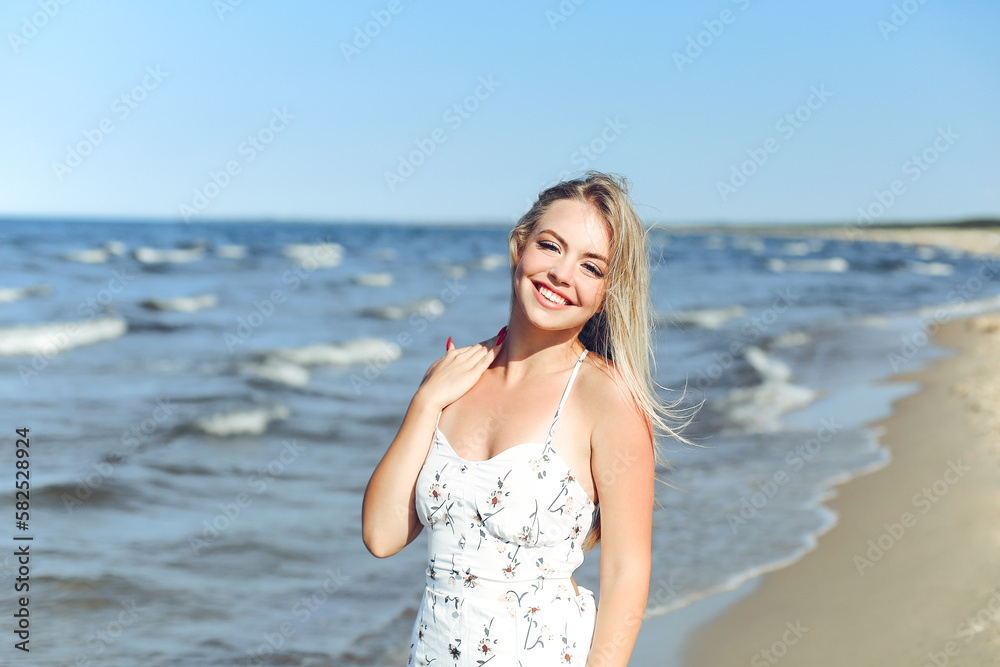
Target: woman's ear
[520,253]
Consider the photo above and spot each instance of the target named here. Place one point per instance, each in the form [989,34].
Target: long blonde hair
[622,331]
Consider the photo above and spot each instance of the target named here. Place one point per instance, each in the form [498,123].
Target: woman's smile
[550,298]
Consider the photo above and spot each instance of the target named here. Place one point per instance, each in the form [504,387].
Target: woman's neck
[531,352]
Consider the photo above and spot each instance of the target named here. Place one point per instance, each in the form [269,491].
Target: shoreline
[976,240]
[923,593]
[914,553]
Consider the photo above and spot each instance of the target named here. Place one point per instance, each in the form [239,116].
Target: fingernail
[503,332]
[447,346]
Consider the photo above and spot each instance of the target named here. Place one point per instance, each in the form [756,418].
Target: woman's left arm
[623,464]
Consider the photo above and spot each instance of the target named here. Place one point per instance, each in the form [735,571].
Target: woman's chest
[499,428]
[527,494]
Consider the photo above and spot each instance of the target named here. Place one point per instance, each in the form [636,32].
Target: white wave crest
[311,256]
[56,337]
[89,256]
[115,247]
[184,304]
[169,255]
[931,268]
[706,318]
[491,262]
[792,339]
[242,422]
[281,372]
[759,408]
[17,293]
[373,279]
[358,351]
[829,265]
[429,307]
[796,248]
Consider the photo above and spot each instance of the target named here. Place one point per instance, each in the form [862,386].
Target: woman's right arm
[388,515]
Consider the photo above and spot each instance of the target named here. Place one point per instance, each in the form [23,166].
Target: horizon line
[963,221]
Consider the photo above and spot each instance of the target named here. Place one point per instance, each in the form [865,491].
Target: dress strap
[569,385]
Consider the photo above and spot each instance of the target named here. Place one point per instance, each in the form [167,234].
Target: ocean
[205,404]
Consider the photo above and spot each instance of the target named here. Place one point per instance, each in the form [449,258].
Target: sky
[461,112]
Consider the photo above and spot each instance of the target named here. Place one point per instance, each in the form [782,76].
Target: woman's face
[567,254]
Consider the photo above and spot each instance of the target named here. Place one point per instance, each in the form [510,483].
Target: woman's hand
[389,518]
[451,376]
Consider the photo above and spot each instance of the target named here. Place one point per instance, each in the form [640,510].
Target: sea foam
[242,422]
[311,256]
[429,307]
[17,293]
[278,371]
[759,408]
[357,351]
[53,338]
[706,318]
[168,256]
[829,265]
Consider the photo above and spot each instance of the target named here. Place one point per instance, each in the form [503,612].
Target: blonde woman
[520,453]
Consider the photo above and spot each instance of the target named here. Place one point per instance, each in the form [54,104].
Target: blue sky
[718,111]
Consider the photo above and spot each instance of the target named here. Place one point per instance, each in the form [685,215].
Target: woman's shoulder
[604,387]
[617,419]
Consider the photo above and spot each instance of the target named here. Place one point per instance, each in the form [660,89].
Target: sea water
[206,404]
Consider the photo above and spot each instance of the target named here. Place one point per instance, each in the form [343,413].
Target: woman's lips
[545,302]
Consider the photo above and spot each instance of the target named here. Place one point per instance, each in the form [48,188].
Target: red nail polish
[503,332]
[447,346]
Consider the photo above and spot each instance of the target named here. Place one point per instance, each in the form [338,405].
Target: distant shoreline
[773,227]
[980,237]
[765,229]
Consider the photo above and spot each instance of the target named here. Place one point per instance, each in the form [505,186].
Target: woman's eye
[549,245]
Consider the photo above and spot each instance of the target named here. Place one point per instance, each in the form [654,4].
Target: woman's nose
[560,271]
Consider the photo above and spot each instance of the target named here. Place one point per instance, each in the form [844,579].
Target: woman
[511,501]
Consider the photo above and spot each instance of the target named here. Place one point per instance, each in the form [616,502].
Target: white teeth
[552,296]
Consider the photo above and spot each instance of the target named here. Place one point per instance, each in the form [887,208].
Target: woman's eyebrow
[563,241]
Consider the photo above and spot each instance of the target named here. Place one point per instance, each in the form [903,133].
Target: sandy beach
[910,574]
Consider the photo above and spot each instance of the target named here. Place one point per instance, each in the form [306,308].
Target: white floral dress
[504,538]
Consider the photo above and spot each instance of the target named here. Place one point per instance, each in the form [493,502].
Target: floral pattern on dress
[504,538]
